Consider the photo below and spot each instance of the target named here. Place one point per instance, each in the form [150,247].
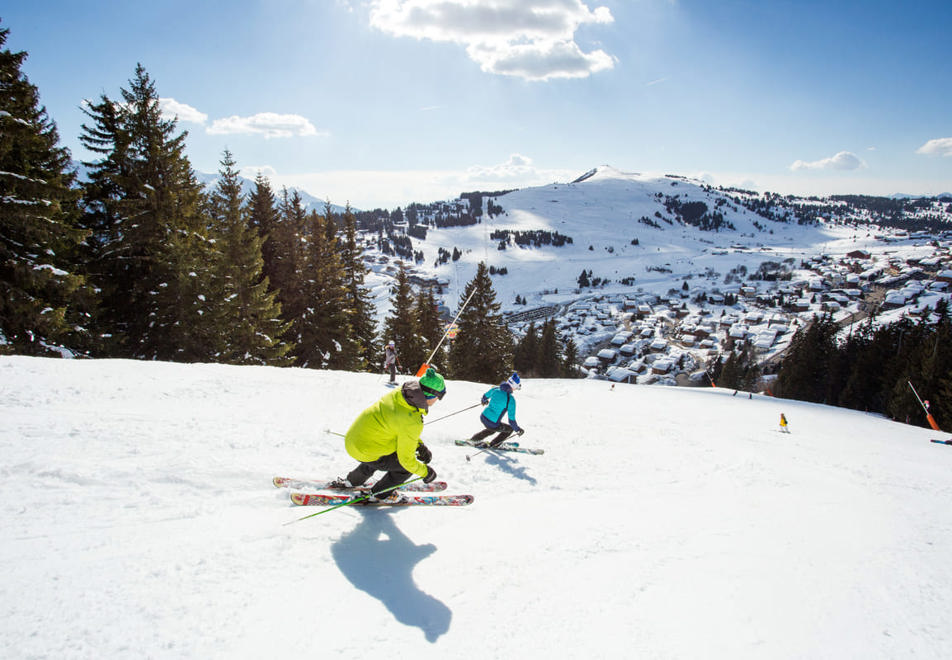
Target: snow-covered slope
[603,213]
[139,521]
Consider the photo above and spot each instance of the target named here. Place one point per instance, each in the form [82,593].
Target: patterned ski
[327,484]
[506,446]
[942,442]
[320,499]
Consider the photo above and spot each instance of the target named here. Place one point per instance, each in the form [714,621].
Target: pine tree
[885,349]
[358,298]
[326,340]
[942,367]
[903,367]
[149,237]
[570,359]
[550,362]
[44,301]
[863,383]
[740,371]
[918,358]
[263,216]
[935,364]
[526,355]
[249,316]
[729,376]
[803,370]
[400,326]
[186,319]
[284,260]
[483,348]
[430,330]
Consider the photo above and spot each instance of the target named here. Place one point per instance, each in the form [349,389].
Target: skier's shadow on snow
[378,558]
[507,464]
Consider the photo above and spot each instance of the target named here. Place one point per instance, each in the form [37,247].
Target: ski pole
[351,501]
[925,406]
[454,413]
[482,450]
[471,456]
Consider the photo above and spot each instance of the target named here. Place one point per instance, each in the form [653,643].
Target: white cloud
[517,168]
[268,124]
[937,147]
[844,160]
[172,109]
[530,39]
[517,171]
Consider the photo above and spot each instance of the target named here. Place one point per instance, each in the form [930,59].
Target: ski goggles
[431,393]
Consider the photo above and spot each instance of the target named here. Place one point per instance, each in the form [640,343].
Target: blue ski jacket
[500,401]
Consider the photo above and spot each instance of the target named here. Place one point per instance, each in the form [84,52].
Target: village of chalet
[649,339]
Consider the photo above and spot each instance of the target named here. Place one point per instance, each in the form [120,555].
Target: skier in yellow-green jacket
[386,437]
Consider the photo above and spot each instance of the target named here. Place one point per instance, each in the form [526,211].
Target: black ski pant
[396,473]
[504,432]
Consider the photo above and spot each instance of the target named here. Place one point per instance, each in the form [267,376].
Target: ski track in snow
[140,521]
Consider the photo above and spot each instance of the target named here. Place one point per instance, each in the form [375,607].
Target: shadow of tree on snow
[379,559]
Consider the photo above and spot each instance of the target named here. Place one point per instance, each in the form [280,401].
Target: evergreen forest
[139,261]
[880,369]
[873,368]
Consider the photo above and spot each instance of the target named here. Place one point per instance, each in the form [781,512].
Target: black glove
[430,475]
[423,453]
[484,401]
[520,431]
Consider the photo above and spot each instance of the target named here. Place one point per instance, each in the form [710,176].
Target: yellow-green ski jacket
[392,424]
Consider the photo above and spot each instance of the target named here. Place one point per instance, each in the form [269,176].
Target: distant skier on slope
[499,401]
[783,424]
[386,436]
[391,360]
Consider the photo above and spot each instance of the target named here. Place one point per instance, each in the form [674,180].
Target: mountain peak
[603,172]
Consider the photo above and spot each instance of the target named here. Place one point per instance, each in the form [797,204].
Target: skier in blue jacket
[499,401]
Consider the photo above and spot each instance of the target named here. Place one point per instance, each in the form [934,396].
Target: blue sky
[383,102]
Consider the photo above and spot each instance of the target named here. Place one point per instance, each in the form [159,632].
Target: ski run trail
[140,521]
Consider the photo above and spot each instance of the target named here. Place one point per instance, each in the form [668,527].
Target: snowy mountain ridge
[622,226]
[591,253]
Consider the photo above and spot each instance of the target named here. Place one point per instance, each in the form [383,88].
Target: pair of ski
[357,495]
[942,442]
[505,446]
